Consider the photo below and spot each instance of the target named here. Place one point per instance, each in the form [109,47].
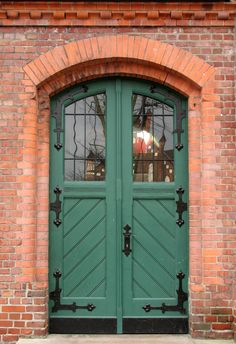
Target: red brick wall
[30,30]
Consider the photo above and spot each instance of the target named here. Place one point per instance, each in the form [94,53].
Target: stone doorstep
[121,339]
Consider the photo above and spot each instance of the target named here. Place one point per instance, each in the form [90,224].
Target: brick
[82,15]
[11,14]
[26,317]
[106,14]
[73,53]
[176,14]
[10,338]
[59,15]
[31,74]
[223,15]
[198,15]
[5,323]
[88,48]
[15,316]
[14,331]
[221,311]
[221,327]
[82,51]
[129,15]
[14,309]
[153,15]
[35,14]
[26,332]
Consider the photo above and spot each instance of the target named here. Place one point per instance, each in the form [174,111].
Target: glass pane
[85,139]
[69,170]
[153,152]
[74,137]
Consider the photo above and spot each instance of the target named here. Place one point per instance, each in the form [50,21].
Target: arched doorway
[118,220]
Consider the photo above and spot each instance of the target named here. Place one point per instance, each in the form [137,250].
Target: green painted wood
[159,246]
[83,247]
[119,198]
[87,247]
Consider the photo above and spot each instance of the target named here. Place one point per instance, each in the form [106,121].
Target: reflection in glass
[152,140]
[85,139]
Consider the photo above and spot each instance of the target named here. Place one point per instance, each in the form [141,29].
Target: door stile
[118,205]
[127,182]
[111,190]
[181,177]
[56,181]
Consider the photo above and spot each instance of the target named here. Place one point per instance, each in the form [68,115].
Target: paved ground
[122,339]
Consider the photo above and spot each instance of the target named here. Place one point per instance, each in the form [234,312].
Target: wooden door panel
[84,253]
[149,218]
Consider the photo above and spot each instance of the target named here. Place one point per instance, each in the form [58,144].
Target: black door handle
[127,250]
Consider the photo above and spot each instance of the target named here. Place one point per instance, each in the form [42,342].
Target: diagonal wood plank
[146,235]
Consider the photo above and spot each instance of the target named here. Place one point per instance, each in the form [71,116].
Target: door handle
[127,250]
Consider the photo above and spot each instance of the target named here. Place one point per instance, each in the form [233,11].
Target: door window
[153,153]
[85,139]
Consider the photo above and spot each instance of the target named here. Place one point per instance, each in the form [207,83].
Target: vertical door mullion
[118,141]
[127,186]
[111,232]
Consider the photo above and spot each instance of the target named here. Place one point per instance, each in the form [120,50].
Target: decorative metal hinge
[56,297]
[182,297]
[57,114]
[180,113]
[56,206]
[127,250]
[181,206]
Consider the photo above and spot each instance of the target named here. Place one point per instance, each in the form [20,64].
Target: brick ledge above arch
[104,49]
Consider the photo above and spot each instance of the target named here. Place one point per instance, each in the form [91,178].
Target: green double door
[118,209]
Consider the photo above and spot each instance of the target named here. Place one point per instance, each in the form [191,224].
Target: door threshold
[121,339]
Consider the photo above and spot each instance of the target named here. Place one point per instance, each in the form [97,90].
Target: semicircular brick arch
[164,58]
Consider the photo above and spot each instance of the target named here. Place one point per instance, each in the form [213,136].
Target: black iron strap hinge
[58,115]
[181,206]
[56,206]
[182,297]
[56,297]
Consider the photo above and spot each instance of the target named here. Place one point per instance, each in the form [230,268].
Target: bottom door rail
[55,295]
